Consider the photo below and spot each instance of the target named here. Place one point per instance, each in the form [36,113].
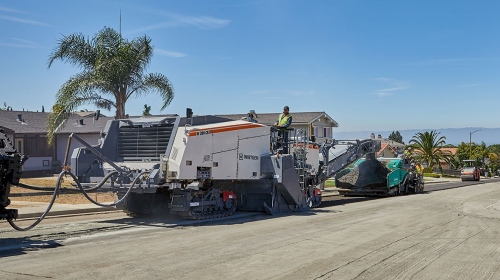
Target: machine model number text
[203,132]
[251,157]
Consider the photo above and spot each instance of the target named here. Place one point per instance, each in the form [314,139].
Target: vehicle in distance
[470,171]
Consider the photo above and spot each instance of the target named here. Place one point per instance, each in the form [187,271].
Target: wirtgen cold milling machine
[207,167]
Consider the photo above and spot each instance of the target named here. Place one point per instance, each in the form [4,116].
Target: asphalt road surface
[448,234]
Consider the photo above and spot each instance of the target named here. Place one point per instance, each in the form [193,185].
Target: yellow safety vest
[419,168]
[282,120]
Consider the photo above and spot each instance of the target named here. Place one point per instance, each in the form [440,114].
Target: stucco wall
[38,163]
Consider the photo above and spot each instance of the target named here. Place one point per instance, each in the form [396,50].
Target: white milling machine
[207,167]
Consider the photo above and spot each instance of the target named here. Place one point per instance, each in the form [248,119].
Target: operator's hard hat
[286,108]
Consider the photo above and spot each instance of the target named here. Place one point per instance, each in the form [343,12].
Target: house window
[36,146]
[317,132]
[327,132]
[322,132]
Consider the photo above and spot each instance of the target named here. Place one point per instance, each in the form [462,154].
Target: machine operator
[282,124]
[251,117]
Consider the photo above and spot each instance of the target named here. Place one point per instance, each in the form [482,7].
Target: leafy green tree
[147,110]
[396,137]
[486,155]
[113,70]
[464,150]
[476,152]
[494,148]
[494,158]
[427,147]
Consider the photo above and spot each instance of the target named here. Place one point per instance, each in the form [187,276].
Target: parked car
[470,171]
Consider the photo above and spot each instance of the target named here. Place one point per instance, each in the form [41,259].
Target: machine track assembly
[201,205]
[204,215]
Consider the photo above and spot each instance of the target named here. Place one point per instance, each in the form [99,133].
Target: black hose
[58,186]
[11,222]
[43,189]
[100,204]
[100,183]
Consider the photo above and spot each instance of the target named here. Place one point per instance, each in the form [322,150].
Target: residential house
[317,124]
[388,148]
[387,151]
[453,152]
[27,131]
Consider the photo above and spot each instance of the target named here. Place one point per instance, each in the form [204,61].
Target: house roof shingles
[36,123]
[31,122]
[90,125]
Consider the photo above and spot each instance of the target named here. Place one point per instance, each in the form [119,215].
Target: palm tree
[147,110]
[112,72]
[427,147]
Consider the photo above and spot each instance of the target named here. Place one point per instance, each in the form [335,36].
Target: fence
[452,172]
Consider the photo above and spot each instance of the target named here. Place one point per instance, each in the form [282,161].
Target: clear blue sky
[371,65]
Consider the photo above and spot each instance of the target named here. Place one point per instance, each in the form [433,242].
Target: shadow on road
[342,200]
[19,246]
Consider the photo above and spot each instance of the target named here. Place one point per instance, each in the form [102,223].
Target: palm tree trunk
[120,106]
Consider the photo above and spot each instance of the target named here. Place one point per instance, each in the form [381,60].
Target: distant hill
[453,136]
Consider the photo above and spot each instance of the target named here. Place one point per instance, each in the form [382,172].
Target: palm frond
[79,90]
[156,83]
[74,49]
[112,66]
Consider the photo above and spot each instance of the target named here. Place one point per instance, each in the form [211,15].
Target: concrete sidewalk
[36,209]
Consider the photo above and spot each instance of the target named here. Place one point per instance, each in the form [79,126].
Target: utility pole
[470,142]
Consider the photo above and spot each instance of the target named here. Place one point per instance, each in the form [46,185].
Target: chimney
[372,136]
[189,113]
[379,136]
[20,118]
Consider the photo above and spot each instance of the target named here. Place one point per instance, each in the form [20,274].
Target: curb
[435,182]
[53,213]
